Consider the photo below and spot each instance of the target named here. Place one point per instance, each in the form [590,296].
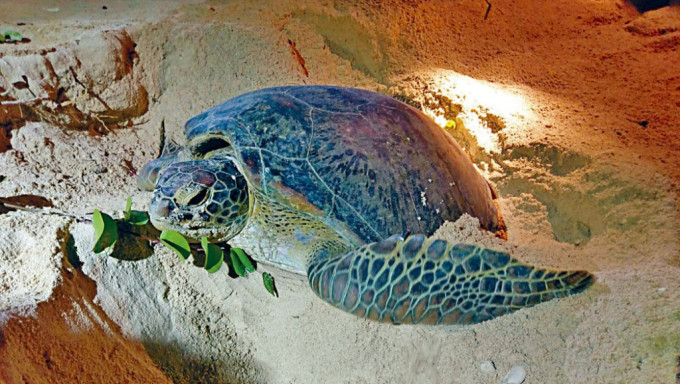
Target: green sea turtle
[328,181]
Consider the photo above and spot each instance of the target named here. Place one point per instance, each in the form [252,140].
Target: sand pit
[569,109]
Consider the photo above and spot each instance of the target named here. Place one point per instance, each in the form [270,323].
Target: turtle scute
[353,158]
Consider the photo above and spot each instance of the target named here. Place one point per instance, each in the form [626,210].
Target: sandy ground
[569,108]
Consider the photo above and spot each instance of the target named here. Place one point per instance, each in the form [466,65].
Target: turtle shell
[354,158]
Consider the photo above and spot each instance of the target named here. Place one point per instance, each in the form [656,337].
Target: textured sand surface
[569,108]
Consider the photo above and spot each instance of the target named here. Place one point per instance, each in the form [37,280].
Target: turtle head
[207,197]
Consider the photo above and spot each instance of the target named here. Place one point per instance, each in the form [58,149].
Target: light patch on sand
[83,317]
[29,262]
[481,100]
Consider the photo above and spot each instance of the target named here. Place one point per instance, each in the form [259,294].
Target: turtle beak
[160,211]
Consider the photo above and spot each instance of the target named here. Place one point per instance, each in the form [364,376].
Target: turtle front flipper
[147,177]
[429,281]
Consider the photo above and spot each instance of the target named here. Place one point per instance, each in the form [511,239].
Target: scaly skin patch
[284,237]
[429,281]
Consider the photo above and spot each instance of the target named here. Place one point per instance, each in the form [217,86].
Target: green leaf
[15,36]
[12,36]
[214,255]
[237,264]
[134,217]
[138,218]
[245,260]
[105,231]
[128,206]
[268,281]
[176,242]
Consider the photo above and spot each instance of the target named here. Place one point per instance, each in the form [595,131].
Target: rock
[516,375]
[488,366]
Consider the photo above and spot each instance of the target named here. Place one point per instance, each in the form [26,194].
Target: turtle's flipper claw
[429,281]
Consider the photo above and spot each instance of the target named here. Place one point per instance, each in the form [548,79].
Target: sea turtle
[329,181]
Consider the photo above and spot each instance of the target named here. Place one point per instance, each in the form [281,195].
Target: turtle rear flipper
[430,281]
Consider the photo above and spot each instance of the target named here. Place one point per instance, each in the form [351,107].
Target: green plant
[176,242]
[134,217]
[214,256]
[107,232]
[241,262]
[10,36]
[268,281]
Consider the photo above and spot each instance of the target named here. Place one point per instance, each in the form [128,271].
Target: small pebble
[53,10]
[516,375]
[487,366]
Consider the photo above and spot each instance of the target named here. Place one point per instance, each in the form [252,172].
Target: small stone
[488,366]
[516,375]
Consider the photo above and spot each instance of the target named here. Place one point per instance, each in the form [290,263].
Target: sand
[569,108]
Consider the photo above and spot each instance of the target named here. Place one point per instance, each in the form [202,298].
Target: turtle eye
[190,195]
[210,146]
[199,197]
